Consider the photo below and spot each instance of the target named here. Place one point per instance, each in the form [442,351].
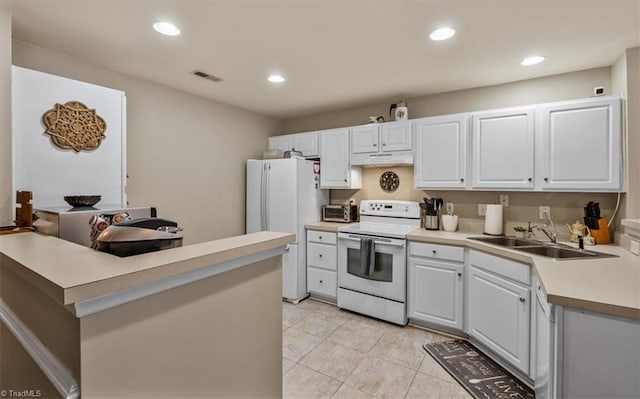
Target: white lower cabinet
[498,307]
[435,284]
[322,265]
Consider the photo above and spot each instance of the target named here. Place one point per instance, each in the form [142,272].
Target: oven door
[387,276]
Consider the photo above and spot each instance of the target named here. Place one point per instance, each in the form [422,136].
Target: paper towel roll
[493,220]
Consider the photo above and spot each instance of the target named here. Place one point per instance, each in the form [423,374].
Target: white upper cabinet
[335,171]
[282,143]
[364,139]
[389,143]
[503,145]
[396,136]
[580,145]
[307,143]
[441,152]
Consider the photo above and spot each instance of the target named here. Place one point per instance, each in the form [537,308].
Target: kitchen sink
[549,250]
[562,253]
[507,241]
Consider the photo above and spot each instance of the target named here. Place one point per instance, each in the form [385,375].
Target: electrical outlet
[544,209]
[450,207]
[504,199]
[482,209]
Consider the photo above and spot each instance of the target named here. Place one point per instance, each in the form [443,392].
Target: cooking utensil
[82,200]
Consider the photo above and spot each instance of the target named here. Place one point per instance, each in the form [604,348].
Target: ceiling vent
[206,76]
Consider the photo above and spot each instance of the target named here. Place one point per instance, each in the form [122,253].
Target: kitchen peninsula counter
[605,285]
[173,323]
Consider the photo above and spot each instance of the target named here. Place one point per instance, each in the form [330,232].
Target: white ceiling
[334,54]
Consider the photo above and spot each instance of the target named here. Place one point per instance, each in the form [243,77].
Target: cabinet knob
[383,144]
[530,179]
[461,180]
[345,180]
[320,281]
[546,179]
[434,251]
[459,274]
[320,255]
[319,237]
[375,145]
[521,299]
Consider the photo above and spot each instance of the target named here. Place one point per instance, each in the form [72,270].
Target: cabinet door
[498,316]
[503,149]
[307,143]
[396,136]
[435,292]
[441,152]
[580,146]
[364,139]
[282,143]
[334,158]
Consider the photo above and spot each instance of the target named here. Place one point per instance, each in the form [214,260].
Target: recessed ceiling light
[166,28]
[536,59]
[276,78]
[442,34]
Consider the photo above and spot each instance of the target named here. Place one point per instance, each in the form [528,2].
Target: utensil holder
[450,222]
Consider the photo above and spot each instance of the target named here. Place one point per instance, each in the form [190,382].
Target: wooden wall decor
[73,126]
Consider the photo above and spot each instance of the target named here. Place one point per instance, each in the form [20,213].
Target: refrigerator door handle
[263,183]
[268,194]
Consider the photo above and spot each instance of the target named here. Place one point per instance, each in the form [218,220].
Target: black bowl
[82,200]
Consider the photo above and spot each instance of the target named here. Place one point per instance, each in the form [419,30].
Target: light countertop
[70,272]
[331,227]
[606,285]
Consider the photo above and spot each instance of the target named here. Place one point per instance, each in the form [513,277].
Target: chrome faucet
[548,228]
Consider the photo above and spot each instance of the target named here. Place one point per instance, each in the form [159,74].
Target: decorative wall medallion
[73,126]
[389,181]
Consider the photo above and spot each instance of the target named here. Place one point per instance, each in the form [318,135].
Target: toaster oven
[340,213]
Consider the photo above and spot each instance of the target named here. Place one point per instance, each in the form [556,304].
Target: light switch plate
[482,209]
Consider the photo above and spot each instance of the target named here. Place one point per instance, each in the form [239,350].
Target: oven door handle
[380,241]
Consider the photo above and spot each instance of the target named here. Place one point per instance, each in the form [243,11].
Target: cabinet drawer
[435,251]
[504,267]
[322,237]
[323,256]
[322,282]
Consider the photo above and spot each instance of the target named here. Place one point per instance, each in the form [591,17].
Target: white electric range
[372,259]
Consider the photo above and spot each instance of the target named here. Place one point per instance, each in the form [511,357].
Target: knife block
[601,234]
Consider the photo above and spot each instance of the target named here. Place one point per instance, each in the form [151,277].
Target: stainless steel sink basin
[561,253]
[549,250]
[506,241]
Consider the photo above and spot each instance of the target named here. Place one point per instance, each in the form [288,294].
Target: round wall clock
[389,181]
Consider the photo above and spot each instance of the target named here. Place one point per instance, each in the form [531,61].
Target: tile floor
[332,353]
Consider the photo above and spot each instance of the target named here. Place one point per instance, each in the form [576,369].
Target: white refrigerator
[283,195]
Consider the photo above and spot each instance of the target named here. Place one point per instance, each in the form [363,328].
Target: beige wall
[565,207]
[186,155]
[551,88]
[6,196]
[632,208]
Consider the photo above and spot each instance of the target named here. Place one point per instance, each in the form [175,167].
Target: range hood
[391,158]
